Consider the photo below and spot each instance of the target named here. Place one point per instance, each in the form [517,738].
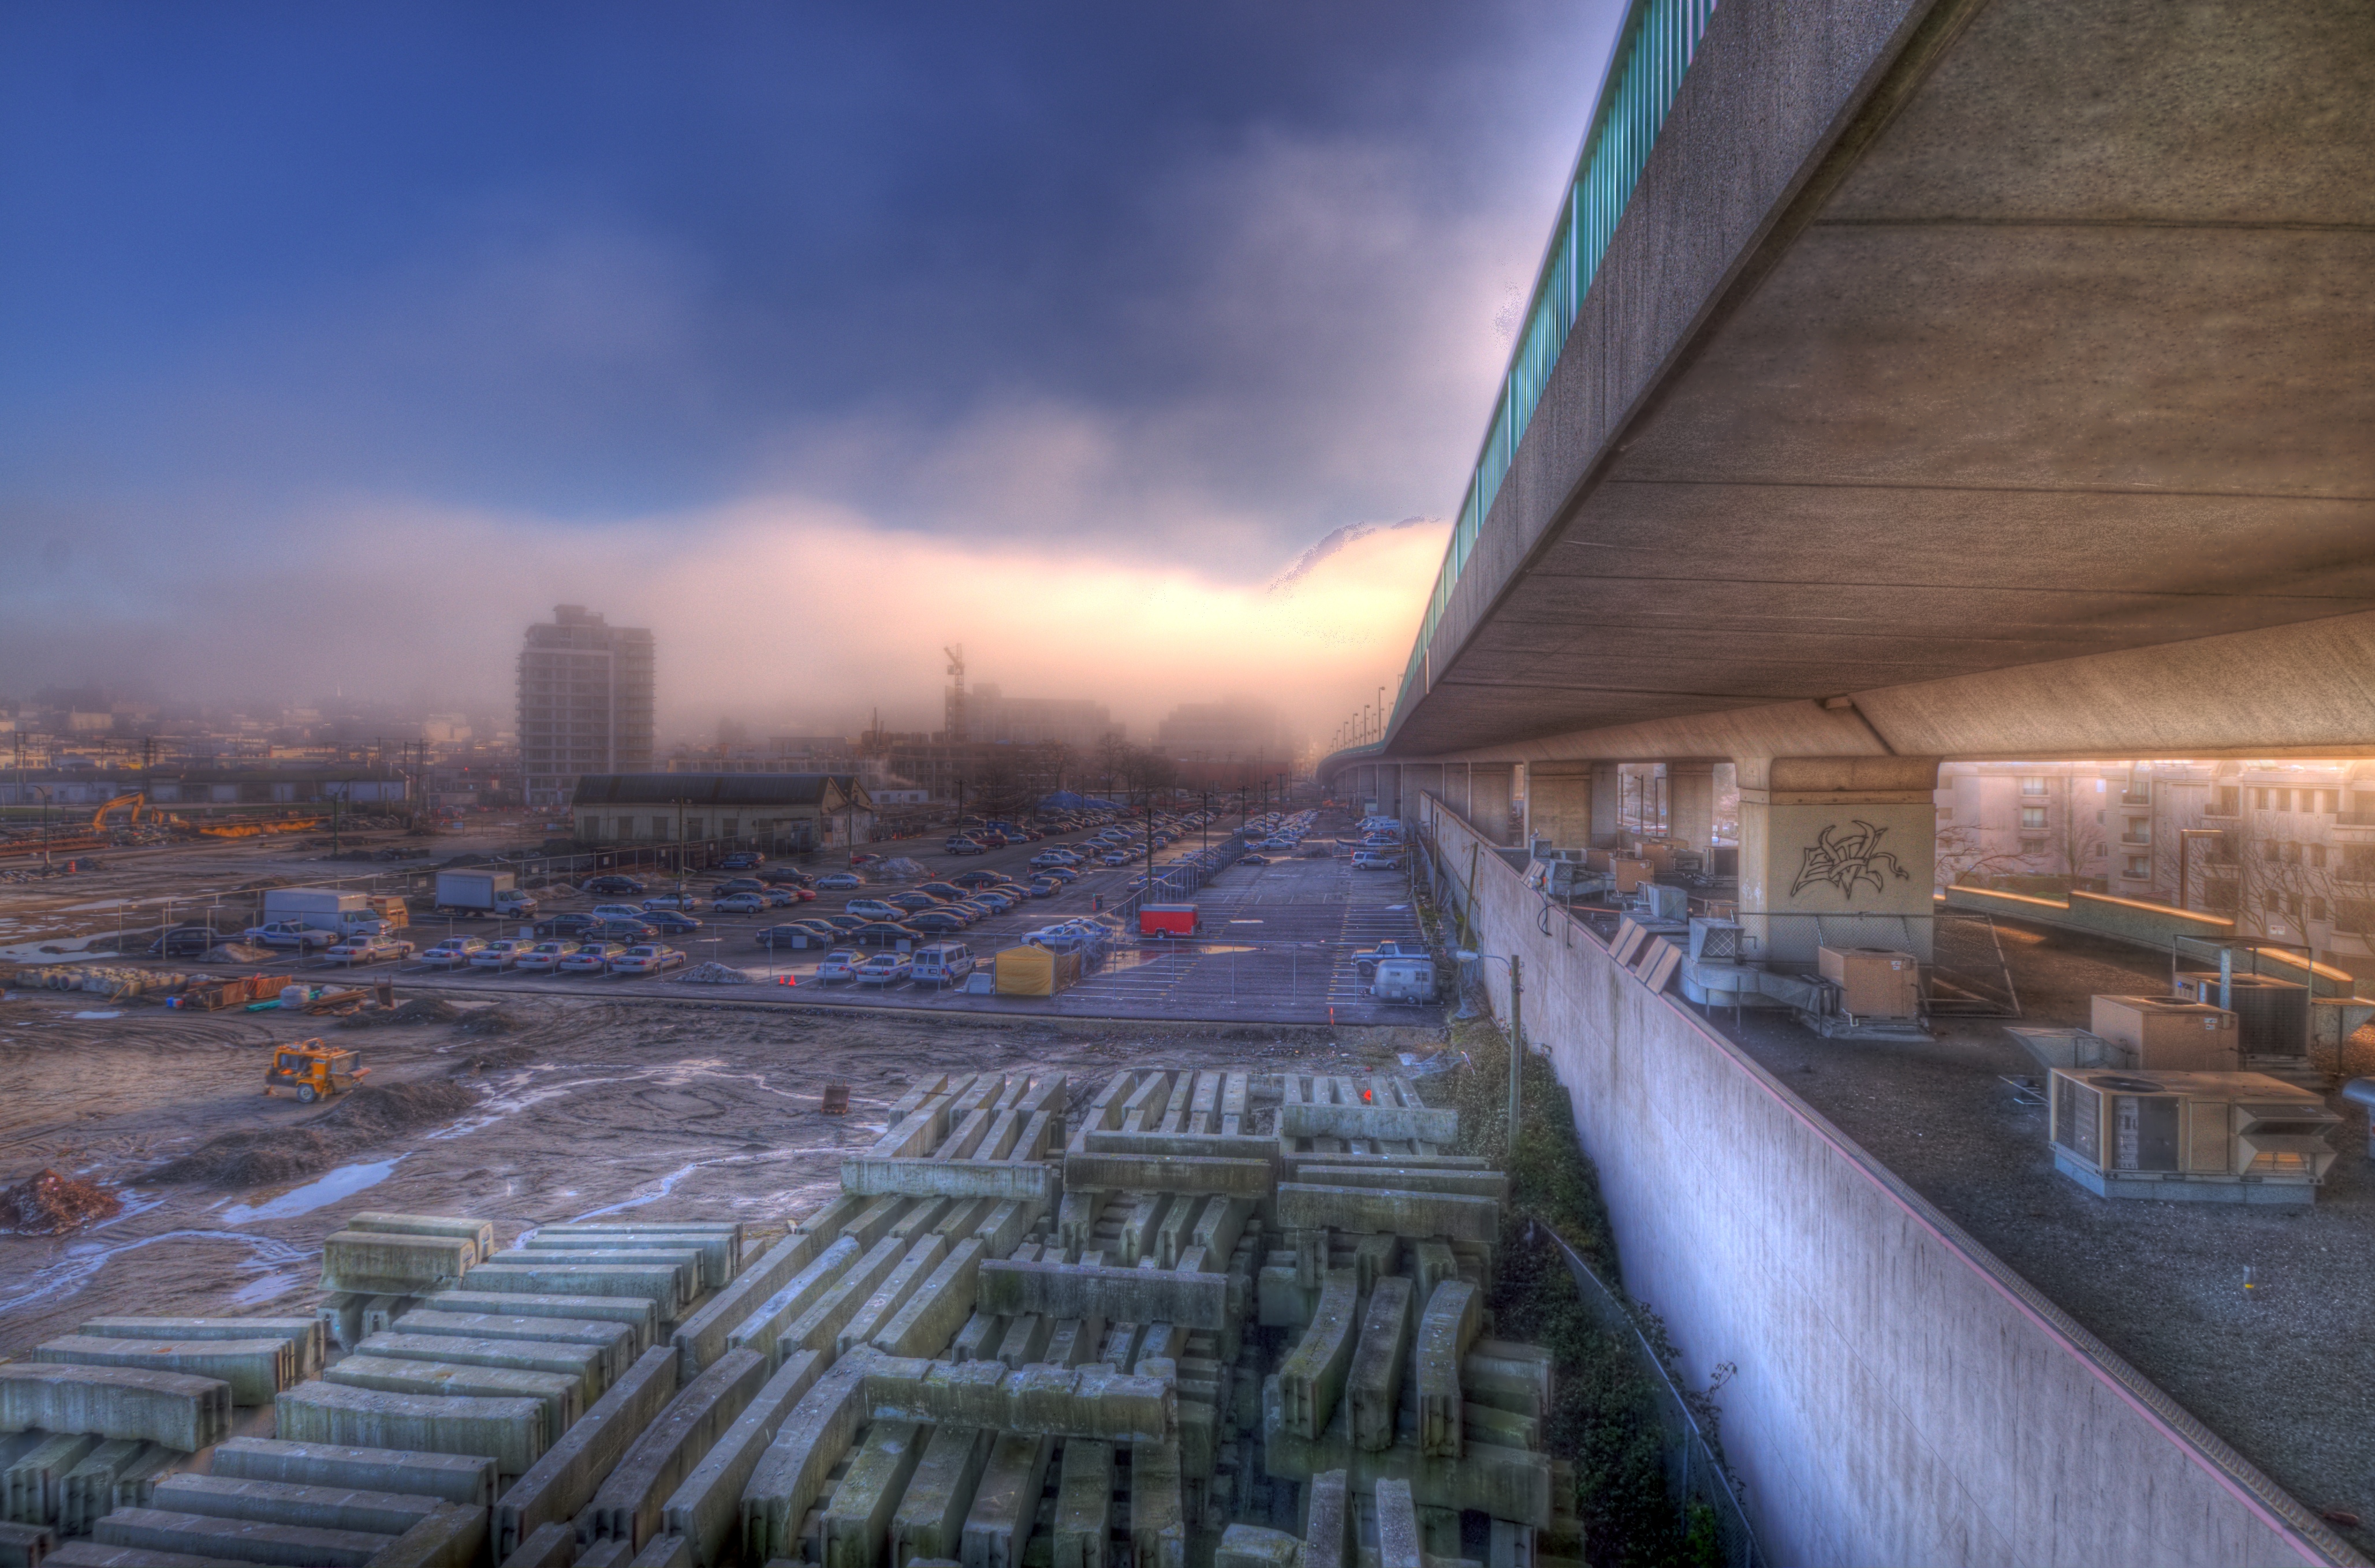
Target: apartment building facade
[585,702]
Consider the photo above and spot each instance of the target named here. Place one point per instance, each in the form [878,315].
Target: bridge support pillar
[1690,804]
[1492,788]
[1607,805]
[1838,852]
[1558,805]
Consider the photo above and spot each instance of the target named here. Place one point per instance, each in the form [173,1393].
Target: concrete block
[613,1344]
[1136,1241]
[1028,1339]
[1375,1380]
[720,1251]
[708,1333]
[1158,1517]
[583,1362]
[641,1317]
[1252,1546]
[1390,1123]
[1093,1401]
[563,1480]
[33,1486]
[562,1396]
[605,1554]
[380,1313]
[705,1508]
[1076,1220]
[1118,1295]
[1506,1376]
[1446,1330]
[479,1234]
[1182,1145]
[1083,1495]
[287,1546]
[550,1545]
[1217,1227]
[1171,1172]
[1406,1178]
[1507,1483]
[1008,1223]
[763,1324]
[255,1369]
[280,1503]
[512,1431]
[924,1216]
[136,1483]
[1069,1342]
[662,1552]
[938,1307]
[791,1471]
[170,1408]
[1399,1545]
[465,1479]
[95,1554]
[389,1263]
[1006,1503]
[88,1490]
[448,1538]
[686,1261]
[977,1341]
[1327,1537]
[1280,1302]
[856,1523]
[929,1522]
[874,1222]
[1311,1378]
[628,1504]
[1292,1162]
[922,1256]
[656,1284]
[24,1546]
[1303,1207]
[304,1334]
[1032,1183]
[825,1222]
[819,1328]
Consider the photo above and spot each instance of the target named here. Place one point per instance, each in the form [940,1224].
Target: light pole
[1517,1034]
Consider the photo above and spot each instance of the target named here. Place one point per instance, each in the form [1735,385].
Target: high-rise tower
[584,703]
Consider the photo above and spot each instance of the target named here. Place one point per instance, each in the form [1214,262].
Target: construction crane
[956,718]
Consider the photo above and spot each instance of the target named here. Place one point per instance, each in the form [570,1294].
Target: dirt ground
[646,1110]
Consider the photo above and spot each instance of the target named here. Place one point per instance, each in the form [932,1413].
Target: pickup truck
[288,934]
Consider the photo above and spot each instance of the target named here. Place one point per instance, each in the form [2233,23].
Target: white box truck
[325,909]
[482,893]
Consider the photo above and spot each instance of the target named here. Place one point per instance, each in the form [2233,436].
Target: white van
[942,963]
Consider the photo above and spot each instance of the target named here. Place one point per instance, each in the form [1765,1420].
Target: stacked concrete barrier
[558,1486]
[511,1430]
[171,1409]
[255,1370]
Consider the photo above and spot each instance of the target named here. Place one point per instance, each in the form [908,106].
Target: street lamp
[1516,1032]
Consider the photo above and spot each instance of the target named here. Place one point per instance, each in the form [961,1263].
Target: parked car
[591,958]
[742,860]
[941,964]
[370,948]
[876,909]
[668,923]
[982,878]
[844,923]
[1061,874]
[798,934]
[288,934]
[941,889]
[839,964]
[1376,860]
[545,957]
[500,955]
[883,933]
[611,886]
[645,958]
[569,925]
[740,885]
[782,897]
[454,952]
[1045,887]
[740,904]
[998,899]
[183,941]
[789,874]
[625,932]
[939,922]
[964,846]
[835,881]
[885,969]
[620,912]
[913,901]
[671,900]
[1253,860]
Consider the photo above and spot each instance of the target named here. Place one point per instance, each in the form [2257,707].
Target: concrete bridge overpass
[1909,380]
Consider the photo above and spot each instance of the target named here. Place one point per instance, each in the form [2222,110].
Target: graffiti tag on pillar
[1848,860]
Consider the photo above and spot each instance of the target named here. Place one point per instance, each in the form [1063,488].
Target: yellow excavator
[315,1069]
[137,801]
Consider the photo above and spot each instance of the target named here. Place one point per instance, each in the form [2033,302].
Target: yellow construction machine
[315,1069]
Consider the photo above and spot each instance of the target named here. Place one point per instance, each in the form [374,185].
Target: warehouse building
[778,812]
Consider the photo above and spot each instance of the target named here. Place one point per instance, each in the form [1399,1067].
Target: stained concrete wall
[1902,1397]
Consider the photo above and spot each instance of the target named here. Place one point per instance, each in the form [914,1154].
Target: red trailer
[1166,920]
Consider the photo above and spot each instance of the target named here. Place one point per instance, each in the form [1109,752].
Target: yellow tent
[1035,972]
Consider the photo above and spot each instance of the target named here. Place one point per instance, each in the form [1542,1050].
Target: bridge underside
[2059,350]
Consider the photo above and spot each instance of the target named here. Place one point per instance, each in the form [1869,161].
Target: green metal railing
[1654,47]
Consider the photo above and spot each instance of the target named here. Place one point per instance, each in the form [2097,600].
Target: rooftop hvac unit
[1718,940]
[2272,1016]
[1873,981]
[2065,1047]
[2164,1034]
[2208,1137]
[1663,904]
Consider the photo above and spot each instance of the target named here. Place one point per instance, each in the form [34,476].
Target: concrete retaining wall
[1902,1395]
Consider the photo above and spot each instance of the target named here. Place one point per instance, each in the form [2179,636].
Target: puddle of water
[94,1014]
[652,1191]
[83,1261]
[269,1288]
[344,1181]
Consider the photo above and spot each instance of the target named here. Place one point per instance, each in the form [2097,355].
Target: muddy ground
[573,1110]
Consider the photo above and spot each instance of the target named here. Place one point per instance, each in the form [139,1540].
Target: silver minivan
[942,963]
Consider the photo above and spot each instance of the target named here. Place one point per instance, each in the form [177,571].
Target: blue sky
[294,293]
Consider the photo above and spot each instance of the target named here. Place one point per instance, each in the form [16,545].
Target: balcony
[2353,827]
